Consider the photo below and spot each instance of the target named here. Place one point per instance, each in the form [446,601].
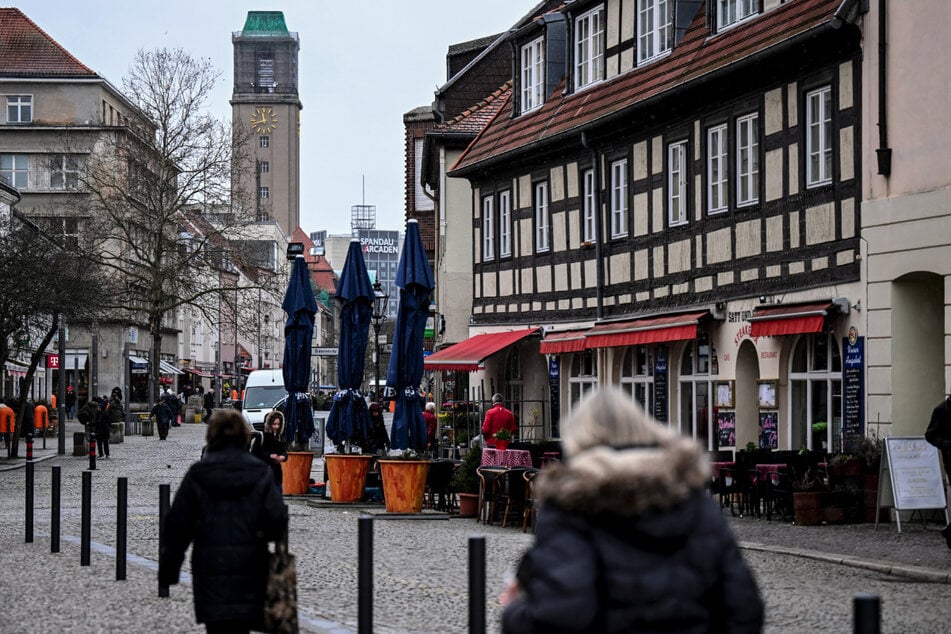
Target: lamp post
[380,300]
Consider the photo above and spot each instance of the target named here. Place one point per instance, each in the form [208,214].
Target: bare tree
[161,197]
[40,284]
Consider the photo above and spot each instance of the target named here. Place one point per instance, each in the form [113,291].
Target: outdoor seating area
[507,494]
[802,487]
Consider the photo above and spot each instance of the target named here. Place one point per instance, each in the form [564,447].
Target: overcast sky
[363,64]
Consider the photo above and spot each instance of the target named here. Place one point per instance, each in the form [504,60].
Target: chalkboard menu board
[660,384]
[554,374]
[768,430]
[853,390]
[726,429]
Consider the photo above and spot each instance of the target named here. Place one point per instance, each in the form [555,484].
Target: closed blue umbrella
[414,278]
[301,308]
[348,419]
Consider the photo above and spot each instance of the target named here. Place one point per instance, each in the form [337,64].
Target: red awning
[644,331]
[469,355]
[562,342]
[198,372]
[788,320]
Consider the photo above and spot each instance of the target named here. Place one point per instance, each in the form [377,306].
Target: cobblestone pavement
[420,565]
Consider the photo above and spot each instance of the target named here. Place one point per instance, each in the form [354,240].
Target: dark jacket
[628,541]
[103,422]
[939,430]
[271,444]
[88,413]
[228,506]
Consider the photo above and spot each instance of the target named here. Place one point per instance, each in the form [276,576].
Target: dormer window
[589,48]
[654,28]
[533,74]
[730,12]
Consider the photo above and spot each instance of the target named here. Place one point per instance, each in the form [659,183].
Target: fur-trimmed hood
[269,418]
[626,481]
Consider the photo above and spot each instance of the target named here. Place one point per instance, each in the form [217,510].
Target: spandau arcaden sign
[380,246]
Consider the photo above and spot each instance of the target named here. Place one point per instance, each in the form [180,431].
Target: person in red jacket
[495,419]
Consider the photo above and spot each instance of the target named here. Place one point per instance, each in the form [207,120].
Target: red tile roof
[474,119]
[320,270]
[27,51]
[697,55]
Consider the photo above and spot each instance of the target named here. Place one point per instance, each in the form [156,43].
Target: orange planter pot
[296,472]
[404,483]
[347,476]
[501,445]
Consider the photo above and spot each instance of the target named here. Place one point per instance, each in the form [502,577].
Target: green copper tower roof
[265,22]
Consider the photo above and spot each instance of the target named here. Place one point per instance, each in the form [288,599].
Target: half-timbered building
[669,201]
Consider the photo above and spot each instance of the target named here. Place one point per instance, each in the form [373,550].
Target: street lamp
[380,300]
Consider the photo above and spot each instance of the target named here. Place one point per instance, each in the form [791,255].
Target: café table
[766,469]
[506,457]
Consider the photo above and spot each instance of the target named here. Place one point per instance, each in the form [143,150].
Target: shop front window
[637,375]
[815,393]
[583,377]
[696,391]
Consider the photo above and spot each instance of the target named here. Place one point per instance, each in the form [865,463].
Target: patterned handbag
[280,599]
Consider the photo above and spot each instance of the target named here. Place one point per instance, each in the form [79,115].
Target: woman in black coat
[272,449]
[627,539]
[228,506]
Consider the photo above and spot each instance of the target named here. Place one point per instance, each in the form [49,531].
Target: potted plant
[466,483]
[403,473]
[502,439]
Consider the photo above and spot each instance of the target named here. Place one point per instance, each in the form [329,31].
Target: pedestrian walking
[229,509]
[939,435]
[70,403]
[628,539]
[209,404]
[498,417]
[103,428]
[162,416]
[273,449]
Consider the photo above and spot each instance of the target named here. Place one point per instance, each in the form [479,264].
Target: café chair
[488,484]
[511,492]
[528,510]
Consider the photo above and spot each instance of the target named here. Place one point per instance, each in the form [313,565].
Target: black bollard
[29,501]
[29,447]
[55,509]
[92,451]
[164,494]
[85,536]
[122,513]
[867,610]
[365,575]
[477,584]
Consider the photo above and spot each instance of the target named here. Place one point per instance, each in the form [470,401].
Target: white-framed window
[16,169]
[697,365]
[64,171]
[815,393]
[264,193]
[505,224]
[542,221]
[819,137]
[654,24]
[677,183]
[619,198]
[583,377]
[264,167]
[488,229]
[589,48]
[533,74]
[747,160]
[588,210]
[637,375]
[732,11]
[717,170]
[63,229]
[19,108]
[264,141]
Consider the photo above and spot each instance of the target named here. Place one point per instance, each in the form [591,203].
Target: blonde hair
[610,417]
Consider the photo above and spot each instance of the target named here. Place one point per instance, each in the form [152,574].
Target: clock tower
[265,103]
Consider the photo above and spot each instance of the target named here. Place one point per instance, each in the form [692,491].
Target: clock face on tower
[263,121]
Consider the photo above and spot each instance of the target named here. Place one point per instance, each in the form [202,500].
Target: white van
[263,390]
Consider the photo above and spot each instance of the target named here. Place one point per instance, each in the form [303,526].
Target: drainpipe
[598,250]
[883,153]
